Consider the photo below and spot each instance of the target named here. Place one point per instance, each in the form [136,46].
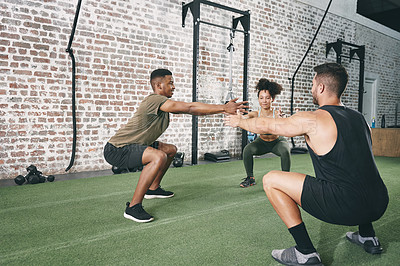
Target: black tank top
[350,163]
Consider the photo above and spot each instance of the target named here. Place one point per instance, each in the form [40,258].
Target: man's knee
[157,157]
[173,150]
[169,149]
[269,179]
[160,158]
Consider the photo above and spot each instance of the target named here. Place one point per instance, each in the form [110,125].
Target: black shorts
[127,157]
[339,205]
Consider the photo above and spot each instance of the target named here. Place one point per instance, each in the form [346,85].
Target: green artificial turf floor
[210,221]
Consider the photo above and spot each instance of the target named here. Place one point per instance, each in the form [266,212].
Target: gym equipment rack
[359,50]
[244,19]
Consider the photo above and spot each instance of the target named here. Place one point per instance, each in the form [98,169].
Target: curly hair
[272,87]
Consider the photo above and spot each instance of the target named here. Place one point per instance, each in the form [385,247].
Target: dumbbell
[51,178]
[19,180]
[116,170]
[33,179]
[30,179]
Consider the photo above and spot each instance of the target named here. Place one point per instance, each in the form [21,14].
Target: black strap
[71,54]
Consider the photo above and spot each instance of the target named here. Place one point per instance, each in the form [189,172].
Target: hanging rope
[304,57]
[231,49]
[71,54]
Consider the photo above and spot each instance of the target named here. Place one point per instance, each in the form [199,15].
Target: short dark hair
[266,85]
[334,77]
[159,73]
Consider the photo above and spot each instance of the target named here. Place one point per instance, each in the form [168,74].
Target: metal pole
[222,27]
[196,35]
[245,76]
[339,52]
[361,86]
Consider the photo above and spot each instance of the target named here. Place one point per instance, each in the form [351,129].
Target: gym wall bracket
[358,50]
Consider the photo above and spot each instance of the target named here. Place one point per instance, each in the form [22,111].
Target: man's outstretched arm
[296,125]
[197,108]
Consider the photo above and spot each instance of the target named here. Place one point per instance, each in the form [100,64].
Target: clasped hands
[234,120]
[234,112]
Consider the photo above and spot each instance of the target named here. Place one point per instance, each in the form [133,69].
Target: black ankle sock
[303,241]
[366,230]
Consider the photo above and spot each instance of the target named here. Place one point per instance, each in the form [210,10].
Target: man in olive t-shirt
[136,144]
[146,125]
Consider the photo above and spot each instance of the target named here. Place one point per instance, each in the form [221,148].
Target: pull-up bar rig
[244,20]
[358,50]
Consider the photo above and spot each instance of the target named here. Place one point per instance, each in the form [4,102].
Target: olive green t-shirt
[146,125]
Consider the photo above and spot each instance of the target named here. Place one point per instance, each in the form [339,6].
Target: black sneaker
[370,244]
[159,193]
[137,213]
[247,182]
[291,256]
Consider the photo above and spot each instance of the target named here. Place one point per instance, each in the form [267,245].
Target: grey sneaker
[370,244]
[291,256]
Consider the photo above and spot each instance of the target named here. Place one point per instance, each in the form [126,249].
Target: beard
[314,98]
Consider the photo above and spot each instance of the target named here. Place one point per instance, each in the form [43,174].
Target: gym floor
[209,221]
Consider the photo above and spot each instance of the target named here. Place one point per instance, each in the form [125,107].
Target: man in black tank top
[347,189]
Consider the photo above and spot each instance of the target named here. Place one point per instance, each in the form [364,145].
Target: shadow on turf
[329,238]
[332,236]
[389,232]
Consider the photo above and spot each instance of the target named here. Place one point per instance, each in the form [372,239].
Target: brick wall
[118,43]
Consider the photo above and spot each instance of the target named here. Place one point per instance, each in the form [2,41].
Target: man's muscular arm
[197,108]
[301,123]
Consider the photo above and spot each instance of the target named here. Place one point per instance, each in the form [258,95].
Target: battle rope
[71,54]
[304,57]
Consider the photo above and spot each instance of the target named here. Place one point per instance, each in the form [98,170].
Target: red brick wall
[118,43]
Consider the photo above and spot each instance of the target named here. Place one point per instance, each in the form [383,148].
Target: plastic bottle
[383,123]
[251,136]
[373,122]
